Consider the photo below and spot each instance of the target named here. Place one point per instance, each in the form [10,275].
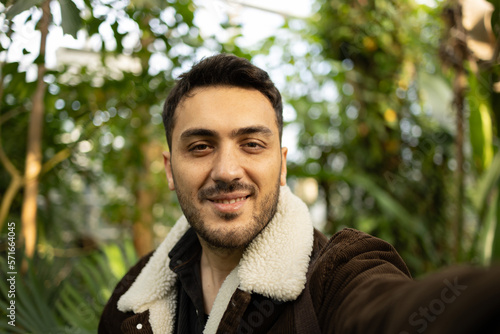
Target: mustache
[225,188]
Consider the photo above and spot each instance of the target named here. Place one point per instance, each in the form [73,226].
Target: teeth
[230,201]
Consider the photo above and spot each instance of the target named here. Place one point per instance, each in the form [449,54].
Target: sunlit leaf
[480,122]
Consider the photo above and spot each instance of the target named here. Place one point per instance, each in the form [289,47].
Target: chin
[233,237]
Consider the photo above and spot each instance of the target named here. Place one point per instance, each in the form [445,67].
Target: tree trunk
[144,192]
[33,165]
[460,52]
[142,228]
[460,85]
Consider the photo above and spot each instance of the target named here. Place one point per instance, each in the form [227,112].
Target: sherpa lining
[274,265]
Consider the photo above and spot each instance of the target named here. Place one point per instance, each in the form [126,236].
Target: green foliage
[480,122]
[102,143]
[71,21]
[99,118]
[484,197]
[367,134]
[20,6]
[33,302]
[483,102]
[372,105]
[97,274]
[65,295]
[486,185]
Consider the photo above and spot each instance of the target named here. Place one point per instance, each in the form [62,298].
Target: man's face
[226,163]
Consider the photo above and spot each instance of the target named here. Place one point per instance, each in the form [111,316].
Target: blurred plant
[100,163]
[63,292]
[359,79]
[371,104]
[101,174]
[473,28]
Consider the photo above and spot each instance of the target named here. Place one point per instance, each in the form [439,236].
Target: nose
[227,165]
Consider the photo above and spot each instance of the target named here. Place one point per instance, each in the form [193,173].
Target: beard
[230,238]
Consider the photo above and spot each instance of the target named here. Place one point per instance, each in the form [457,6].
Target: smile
[229,201]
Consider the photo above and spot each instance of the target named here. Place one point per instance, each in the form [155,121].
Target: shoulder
[347,274]
[111,317]
[349,260]
[354,248]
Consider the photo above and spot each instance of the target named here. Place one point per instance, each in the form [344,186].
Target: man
[245,257]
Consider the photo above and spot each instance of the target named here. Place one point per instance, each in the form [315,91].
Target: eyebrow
[198,132]
[252,130]
[202,132]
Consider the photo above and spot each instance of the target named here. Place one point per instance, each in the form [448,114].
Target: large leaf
[20,6]
[71,21]
[480,122]
[481,135]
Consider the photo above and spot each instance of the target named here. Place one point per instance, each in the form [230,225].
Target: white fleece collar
[274,265]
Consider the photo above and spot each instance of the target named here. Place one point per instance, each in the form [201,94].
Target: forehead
[224,108]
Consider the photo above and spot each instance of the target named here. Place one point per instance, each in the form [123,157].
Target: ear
[284,151]
[168,170]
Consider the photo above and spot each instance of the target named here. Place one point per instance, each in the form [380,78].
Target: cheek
[190,177]
[265,174]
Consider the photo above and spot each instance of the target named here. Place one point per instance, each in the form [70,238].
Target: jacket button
[139,326]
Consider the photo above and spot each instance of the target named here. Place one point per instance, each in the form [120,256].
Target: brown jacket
[352,283]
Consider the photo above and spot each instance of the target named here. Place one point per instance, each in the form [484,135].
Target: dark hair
[221,70]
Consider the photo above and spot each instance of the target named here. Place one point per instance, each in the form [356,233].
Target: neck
[215,265]
[219,261]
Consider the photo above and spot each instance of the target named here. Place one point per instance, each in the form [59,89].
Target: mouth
[229,203]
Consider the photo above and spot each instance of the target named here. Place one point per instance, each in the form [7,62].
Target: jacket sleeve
[361,285]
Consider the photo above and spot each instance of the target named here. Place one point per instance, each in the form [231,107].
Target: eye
[253,146]
[200,149]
